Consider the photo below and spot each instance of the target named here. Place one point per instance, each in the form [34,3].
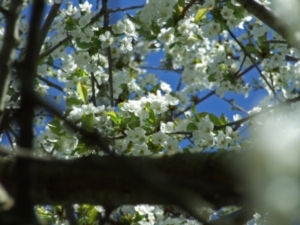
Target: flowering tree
[109,156]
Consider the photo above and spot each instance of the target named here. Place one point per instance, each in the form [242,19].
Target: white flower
[209,4]
[166,36]
[151,78]
[167,127]
[159,138]
[165,87]
[186,26]
[84,20]
[159,106]
[68,144]
[132,106]
[130,28]
[126,45]
[119,27]
[226,12]
[83,58]
[222,140]
[85,7]
[171,100]
[87,35]
[137,135]
[171,145]
[141,149]
[237,117]
[106,39]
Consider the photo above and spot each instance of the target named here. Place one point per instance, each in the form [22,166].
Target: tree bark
[107,181]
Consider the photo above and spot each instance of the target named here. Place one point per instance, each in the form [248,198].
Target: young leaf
[113,116]
[201,14]
[87,121]
[82,91]
[224,119]
[191,127]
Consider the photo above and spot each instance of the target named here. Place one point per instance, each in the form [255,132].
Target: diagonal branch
[47,24]
[100,180]
[10,41]
[276,23]
[23,209]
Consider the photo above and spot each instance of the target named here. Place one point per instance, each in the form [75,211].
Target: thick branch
[10,41]
[99,180]
[275,22]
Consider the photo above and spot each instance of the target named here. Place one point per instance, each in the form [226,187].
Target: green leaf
[251,48]
[88,121]
[224,119]
[92,215]
[186,150]
[55,127]
[137,217]
[191,127]
[133,122]
[193,109]
[181,3]
[178,9]
[82,91]
[152,115]
[73,101]
[200,15]
[95,42]
[113,116]
[70,24]
[213,118]
[155,28]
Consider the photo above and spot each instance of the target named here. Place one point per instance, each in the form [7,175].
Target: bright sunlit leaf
[82,91]
[200,15]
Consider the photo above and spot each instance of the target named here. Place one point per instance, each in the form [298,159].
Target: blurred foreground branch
[98,180]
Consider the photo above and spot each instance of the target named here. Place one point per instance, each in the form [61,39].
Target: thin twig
[234,105]
[44,31]
[110,78]
[287,102]
[248,69]
[197,102]
[159,68]
[253,62]
[96,17]
[109,57]
[125,9]
[44,54]
[179,84]
[7,53]
[93,89]
[241,66]
[51,84]
[185,9]
[275,22]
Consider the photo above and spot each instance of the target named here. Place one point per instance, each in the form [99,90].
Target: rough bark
[100,180]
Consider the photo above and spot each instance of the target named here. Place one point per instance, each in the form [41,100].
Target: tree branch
[272,20]
[10,42]
[47,24]
[26,70]
[99,180]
